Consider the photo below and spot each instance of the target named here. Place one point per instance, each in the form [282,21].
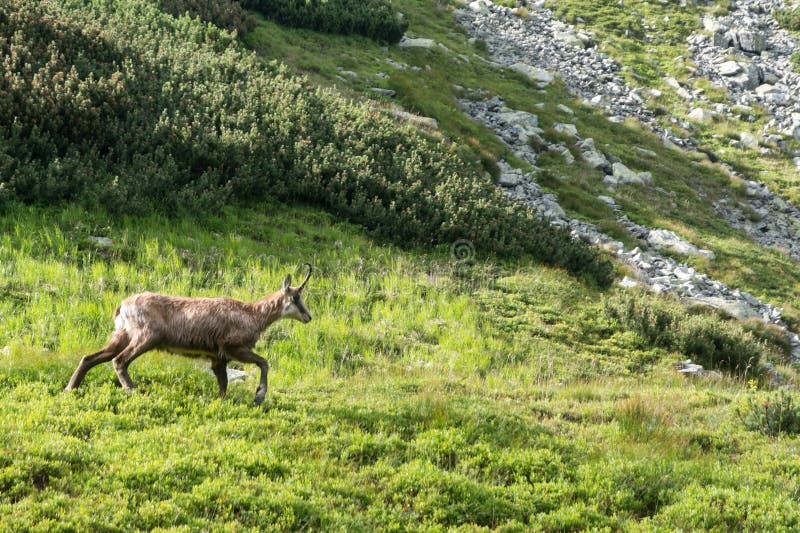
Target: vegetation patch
[149,113]
[787,18]
[375,19]
[706,338]
[771,413]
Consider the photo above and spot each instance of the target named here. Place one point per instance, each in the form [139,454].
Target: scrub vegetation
[500,386]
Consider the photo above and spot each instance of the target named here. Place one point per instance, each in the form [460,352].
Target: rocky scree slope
[540,46]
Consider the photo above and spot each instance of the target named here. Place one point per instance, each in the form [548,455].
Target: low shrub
[226,14]
[787,18]
[375,19]
[771,414]
[705,338]
[147,113]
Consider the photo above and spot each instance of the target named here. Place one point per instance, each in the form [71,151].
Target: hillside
[522,220]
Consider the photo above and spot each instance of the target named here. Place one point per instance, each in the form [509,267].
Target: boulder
[417,43]
[663,239]
[565,109]
[738,309]
[568,129]
[622,175]
[526,124]
[101,242]
[729,68]
[699,114]
[748,140]
[749,41]
[390,93]
[749,77]
[478,6]
[538,75]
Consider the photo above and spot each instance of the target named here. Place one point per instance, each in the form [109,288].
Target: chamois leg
[119,340]
[132,351]
[248,356]
[220,368]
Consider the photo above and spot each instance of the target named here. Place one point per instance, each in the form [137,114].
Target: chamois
[221,329]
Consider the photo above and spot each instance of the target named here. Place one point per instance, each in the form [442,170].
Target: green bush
[143,112]
[226,14]
[771,414]
[706,338]
[787,18]
[375,19]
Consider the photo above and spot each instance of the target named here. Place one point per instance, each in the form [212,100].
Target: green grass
[425,394]
[649,38]
[690,181]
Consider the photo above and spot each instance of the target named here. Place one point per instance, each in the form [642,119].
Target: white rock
[699,114]
[748,140]
[479,6]
[663,239]
[536,74]
[568,129]
[565,109]
[101,242]
[417,43]
[729,68]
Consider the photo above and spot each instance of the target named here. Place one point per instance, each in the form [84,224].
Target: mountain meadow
[470,366]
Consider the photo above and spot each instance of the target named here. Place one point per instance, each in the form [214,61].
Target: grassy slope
[691,182]
[423,394]
[653,48]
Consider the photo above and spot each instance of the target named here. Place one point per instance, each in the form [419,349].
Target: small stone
[565,109]
[748,140]
[536,74]
[729,68]
[101,242]
[417,43]
[384,92]
[701,115]
[568,129]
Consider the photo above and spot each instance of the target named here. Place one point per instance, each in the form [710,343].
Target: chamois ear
[287,282]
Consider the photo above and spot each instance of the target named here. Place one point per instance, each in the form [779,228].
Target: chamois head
[292,299]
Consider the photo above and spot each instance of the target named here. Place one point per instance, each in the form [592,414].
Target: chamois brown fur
[220,329]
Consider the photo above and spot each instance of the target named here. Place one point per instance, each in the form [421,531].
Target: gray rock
[748,140]
[568,129]
[101,242]
[737,308]
[384,92]
[690,369]
[729,68]
[565,109]
[417,43]
[662,239]
[538,75]
[622,175]
[749,41]
[701,115]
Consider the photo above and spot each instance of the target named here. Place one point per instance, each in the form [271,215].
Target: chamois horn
[302,285]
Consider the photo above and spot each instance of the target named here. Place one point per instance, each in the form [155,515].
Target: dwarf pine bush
[375,19]
[771,414]
[787,18]
[706,338]
[127,107]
